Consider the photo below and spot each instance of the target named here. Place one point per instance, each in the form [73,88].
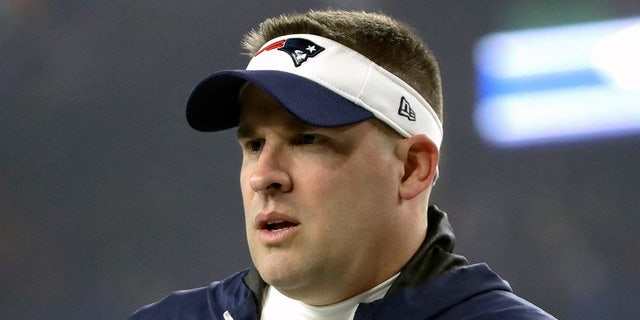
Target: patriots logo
[298,49]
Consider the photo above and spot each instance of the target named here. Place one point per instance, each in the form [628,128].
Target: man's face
[319,202]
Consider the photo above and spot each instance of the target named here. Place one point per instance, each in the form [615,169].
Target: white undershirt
[277,306]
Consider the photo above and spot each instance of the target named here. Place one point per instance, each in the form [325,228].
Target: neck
[279,306]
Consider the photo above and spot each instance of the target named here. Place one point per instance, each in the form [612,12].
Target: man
[338,116]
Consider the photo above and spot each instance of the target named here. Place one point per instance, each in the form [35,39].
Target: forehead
[258,108]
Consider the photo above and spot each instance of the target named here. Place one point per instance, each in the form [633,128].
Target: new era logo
[406,111]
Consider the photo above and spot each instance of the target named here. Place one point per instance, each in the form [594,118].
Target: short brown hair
[387,42]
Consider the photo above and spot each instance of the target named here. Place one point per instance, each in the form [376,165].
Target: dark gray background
[109,201]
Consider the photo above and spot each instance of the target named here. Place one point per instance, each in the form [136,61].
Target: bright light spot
[559,84]
[618,57]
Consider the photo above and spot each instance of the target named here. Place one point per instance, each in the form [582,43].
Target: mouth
[274,228]
[277,225]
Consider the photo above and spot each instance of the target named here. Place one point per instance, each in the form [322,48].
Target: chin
[278,277]
[281,275]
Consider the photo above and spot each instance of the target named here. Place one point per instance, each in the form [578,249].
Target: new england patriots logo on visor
[298,49]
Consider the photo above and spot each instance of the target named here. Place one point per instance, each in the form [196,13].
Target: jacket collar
[434,257]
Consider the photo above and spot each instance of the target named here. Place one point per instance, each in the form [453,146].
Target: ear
[420,156]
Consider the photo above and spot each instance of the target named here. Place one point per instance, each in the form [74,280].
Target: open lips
[279,224]
[275,222]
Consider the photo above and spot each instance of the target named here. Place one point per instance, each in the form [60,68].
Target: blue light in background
[559,84]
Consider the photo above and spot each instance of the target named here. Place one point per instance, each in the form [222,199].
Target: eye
[254,145]
[309,139]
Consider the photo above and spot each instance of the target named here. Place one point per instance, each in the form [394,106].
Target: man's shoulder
[469,292]
[183,304]
[506,305]
[495,304]
[482,294]
[198,303]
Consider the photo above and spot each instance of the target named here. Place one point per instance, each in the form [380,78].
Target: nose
[270,175]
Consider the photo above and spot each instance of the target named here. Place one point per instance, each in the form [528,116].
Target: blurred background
[109,201]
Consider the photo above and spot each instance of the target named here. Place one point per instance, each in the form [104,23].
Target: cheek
[349,212]
[244,182]
[357,187]
[245,189]
[246,170]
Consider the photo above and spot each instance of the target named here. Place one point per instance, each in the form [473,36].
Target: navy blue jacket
[435,284]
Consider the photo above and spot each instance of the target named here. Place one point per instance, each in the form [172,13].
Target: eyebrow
[245,131]
[294,124]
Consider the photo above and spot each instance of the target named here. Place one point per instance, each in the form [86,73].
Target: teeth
[271,225]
